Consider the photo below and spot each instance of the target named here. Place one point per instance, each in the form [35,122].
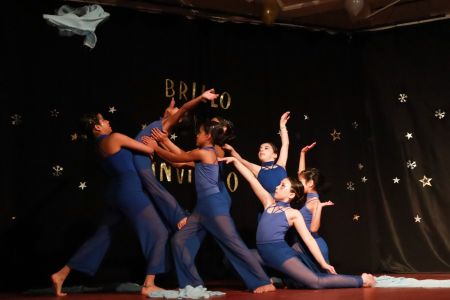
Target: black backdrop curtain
[375,89]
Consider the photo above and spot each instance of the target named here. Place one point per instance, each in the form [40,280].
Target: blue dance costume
[307,215]
[164,201]
[127,198]
[277,254]
[212,214]
[270,176]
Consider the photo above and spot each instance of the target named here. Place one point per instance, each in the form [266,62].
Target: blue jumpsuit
[271,175]
[277,254]
[127,198]
[307,215]
[212,214]
[166,204]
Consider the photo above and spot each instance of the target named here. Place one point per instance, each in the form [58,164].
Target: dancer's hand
[284,118]
[182,223]
[148,140]
[227,160]
[329,268]
[327,203]
[151,143]
[159,136]
[228,147]
[209,95]
[307,148]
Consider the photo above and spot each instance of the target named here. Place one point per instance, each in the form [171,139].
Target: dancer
[127,198]
[278,216]
[211,214]
[312,209]
[164,201]
[272,170]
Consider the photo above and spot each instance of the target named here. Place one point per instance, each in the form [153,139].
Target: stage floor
[234,292]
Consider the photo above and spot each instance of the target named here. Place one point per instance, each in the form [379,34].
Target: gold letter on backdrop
[189,175]
[180,175]
[228,101]
[165,170]
[235,180]
[153,169]
[169,87]
[183,90]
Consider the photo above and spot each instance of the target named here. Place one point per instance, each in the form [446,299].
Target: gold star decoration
[74,136]
[112,109]
[417,219]
[425,181]
[335,135]
[396,180]
[173,136]
[356,217]
[82,185]
[143,126]
[364,179]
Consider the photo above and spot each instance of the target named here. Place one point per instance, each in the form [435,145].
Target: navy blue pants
[166,204]
[151,232]
[212,215]
[284,259]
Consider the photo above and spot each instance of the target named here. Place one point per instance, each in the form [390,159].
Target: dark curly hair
[314,175]
[229,130]
[88,121]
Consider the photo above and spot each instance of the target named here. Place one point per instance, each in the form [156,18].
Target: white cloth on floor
[81,21]
[189,292]
[404,282]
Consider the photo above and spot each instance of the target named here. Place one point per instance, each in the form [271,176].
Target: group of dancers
[134,193]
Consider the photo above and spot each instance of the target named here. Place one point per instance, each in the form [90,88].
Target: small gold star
[82,185]
[417,219]
[335,135]
[356,217]
[74,136]
[425,181]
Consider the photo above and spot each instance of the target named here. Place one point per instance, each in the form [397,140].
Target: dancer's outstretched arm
[173,119]
[297,220]
[263,196]
[282,158]
[118,140]
[254,168]
[302,161]
[167,144]
[183,156]
[317,213]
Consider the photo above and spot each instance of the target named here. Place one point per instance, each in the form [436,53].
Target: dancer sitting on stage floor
[277,218]
[126,198]
[211,214]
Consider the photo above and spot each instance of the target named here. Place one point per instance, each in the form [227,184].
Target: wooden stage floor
[234,291]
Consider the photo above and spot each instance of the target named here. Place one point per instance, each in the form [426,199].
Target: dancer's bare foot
[368,280]
[146,290]
[58,280]
[264,289]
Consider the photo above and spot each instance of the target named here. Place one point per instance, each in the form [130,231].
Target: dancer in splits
[167,205]
[211,214]
[127,198]
[278,216]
